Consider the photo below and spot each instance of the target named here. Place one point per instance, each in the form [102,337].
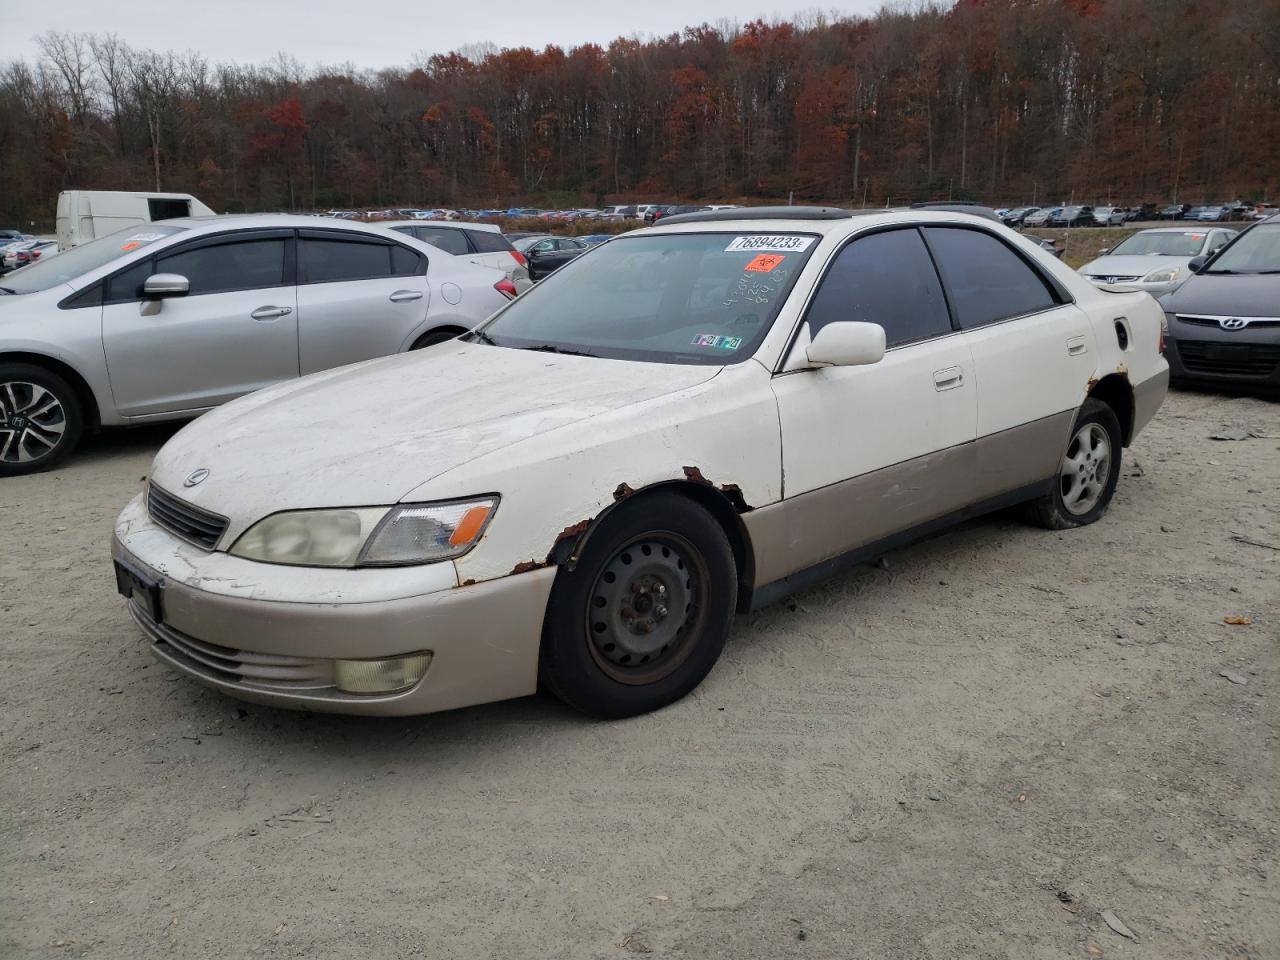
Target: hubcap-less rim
[1085,469]
[32,422]
[645,607]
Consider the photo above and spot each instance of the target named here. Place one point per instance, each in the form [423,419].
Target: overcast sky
[372,33]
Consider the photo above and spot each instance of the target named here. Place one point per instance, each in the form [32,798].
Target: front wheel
[40,419]
[643,617]
[1088,474]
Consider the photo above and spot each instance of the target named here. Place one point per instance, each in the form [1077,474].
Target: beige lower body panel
[820,525]
[1147,398]
[483,638]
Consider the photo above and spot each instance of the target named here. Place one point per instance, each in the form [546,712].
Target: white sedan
[684,423]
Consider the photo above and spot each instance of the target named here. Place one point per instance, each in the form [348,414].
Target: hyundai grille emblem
[197,476]
[1233,323]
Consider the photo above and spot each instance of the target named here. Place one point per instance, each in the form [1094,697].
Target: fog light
[380,676]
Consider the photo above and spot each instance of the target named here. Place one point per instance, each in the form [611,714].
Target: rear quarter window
[485,241]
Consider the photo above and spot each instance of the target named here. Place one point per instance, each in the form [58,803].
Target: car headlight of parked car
[1163,275]
[402,535]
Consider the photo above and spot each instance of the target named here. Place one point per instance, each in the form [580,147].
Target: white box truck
[85,215]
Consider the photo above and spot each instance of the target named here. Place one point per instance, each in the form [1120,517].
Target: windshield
[697,298]
[1161,245]
[45,274]
[1255,251]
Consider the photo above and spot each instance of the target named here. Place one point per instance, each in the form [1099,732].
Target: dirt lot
[974,751]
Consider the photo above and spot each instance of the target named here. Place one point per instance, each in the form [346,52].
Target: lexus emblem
[197,477]
[1233,323]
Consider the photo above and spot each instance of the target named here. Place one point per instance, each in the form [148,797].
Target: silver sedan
[172,319]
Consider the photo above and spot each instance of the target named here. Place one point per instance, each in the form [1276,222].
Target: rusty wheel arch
[725,503]
[1116,391]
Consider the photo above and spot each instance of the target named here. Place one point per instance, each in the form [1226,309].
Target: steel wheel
[644,608]
[32,422]
[1085,469]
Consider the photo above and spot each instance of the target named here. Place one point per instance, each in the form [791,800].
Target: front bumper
[1207,355]
[225,632]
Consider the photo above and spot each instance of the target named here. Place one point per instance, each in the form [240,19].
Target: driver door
[236,331]
[869,451]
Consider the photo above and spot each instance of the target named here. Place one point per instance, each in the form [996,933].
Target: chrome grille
[182,519]
[268,670]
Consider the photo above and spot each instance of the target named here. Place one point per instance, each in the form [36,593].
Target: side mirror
[1196,264]
[847,343]
[162,286]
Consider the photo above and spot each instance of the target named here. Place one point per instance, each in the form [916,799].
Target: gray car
[1155,260]
[168,320]
[1224,322]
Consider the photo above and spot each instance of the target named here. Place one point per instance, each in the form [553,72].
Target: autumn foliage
[1004,100]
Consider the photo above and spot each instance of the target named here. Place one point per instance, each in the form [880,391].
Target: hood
[1224,295]
[367,434]
[1131,265]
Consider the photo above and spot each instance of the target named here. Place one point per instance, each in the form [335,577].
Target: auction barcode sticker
[771,243]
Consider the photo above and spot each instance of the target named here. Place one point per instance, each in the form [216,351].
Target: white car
[479,243]
[26,252]
[686,422]
[1154,260]
[178,317]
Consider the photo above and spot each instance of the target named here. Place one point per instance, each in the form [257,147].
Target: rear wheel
[1088,474]
[436,337]
[40,419]
[643,617]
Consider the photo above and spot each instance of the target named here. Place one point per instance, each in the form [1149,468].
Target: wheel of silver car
[39,419]
[1085,469]
[643,615]
[644,608]
[1087,476]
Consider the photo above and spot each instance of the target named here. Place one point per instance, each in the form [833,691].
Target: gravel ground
[975,750]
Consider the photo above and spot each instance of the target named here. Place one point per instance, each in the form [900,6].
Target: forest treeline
[1000,100]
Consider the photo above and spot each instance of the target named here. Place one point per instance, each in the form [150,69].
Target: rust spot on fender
[524,566]
[574,529]
[624,490]
[734,493]
[467,583]
[694,475]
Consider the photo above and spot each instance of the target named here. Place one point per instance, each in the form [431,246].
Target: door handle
[947,379]
[271,313]
[1076,346]
[403,296]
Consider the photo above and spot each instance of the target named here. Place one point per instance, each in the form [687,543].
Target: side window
[543,246]
[127,284]
[487,241]
[406,262]
[450,241]
[986,280]
[885,278]
[327,261]
[240,265]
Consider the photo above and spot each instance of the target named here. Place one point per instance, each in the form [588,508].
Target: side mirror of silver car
[161,286]
[847,343]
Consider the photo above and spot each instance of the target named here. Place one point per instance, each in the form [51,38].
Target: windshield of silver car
[1256,251]
[1182,244]
[694,298]
[78,261]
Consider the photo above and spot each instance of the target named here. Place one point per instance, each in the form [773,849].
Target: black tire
[611,657]
[41,419]
[1059,509]
[436,337]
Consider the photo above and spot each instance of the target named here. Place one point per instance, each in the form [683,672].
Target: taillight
[506,288]
[519,257]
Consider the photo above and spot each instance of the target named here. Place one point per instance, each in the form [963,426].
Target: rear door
[872,450]
[1033,354]
[359,296]
[235,332]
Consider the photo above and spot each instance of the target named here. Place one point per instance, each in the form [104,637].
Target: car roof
[447,224]
[245,221]
[746,222]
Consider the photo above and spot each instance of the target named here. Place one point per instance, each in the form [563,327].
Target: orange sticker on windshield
[764,263]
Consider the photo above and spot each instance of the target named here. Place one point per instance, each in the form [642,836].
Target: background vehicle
[184,315]
[86,214]
[1048,246]
[1174,211]
[1073,217]
[592,239]
[1015,217]
[26,252]
[1109,216]
[1041,217]
[8,236]
[7,246]
[546,254]
[479,243]
[1212,212]
[1224,321]
[1154,260]
[657,213]
[1145,211]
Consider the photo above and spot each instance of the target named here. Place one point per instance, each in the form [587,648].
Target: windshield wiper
[551,348]
[1222,272]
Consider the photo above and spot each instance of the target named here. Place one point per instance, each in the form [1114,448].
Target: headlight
[1163,275]
[368,536]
